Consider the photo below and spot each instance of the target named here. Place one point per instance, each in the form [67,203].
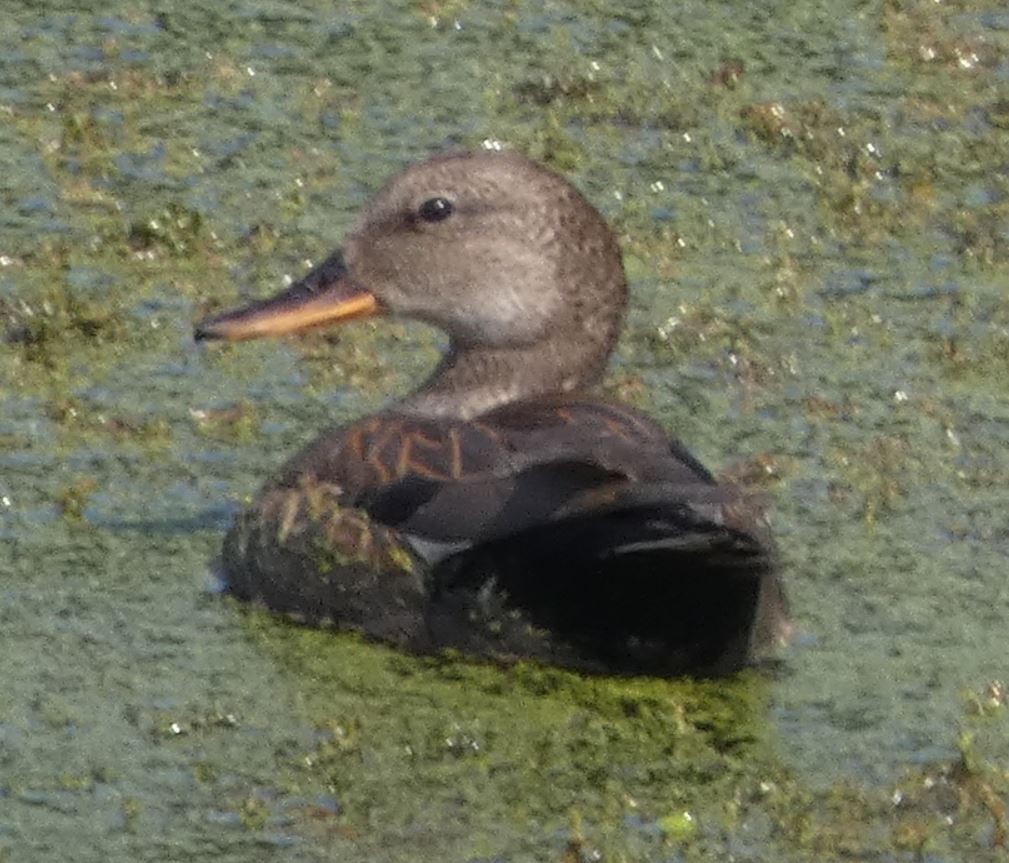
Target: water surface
[812,199]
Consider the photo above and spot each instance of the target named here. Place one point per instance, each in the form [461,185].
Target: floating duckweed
[893,616]
[679,826]
[73,498]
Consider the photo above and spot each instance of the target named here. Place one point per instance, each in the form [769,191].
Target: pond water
[812,200]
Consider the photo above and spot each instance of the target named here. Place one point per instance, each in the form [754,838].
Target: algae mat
[812,199]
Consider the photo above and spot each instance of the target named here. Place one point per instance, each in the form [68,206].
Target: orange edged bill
[324,296]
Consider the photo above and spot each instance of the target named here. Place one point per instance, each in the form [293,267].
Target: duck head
[506,257]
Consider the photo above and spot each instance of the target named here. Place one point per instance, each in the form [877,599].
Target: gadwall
[499,509]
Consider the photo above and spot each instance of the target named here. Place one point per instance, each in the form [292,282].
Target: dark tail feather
[661,588]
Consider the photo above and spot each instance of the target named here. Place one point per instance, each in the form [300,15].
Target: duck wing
[528,464]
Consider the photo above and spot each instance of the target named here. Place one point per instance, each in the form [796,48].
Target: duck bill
[325,296]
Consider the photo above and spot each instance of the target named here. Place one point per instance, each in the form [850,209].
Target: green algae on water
[812,201]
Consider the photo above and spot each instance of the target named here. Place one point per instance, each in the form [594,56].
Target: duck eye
[435,210]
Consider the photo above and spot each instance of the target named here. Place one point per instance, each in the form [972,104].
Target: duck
[503,510]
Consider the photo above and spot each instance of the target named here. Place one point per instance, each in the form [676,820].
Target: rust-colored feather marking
[615,428]
[428,472]
[456,450]
[404,462]
[492,435]
[355,442]
[603,418]
[425,453]
[633,425]
[422,440]
[421,467]
[384,451]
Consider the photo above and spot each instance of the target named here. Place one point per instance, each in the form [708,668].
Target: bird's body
[500,509]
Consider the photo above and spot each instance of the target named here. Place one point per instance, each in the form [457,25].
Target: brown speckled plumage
[499,509]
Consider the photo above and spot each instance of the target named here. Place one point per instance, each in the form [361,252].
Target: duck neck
[470,381]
